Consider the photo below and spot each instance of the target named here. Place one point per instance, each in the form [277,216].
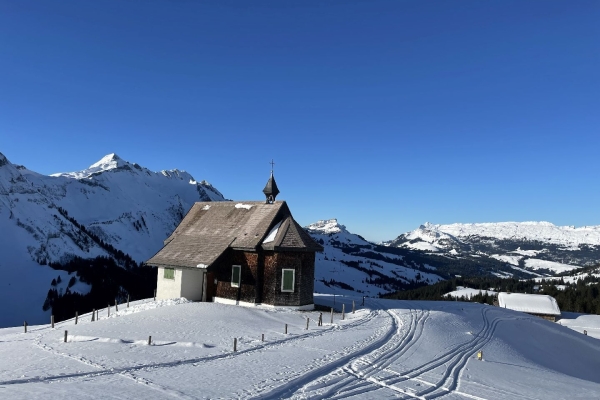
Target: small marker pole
[76,317]
[307,320]
[116,305]
[154,294]
[332,315]
[52,320]
[66,332]
[108,309]
[127,301]
[262,339]
[343,312]
[320,319]
[286,329]
[25,326]
[149,340]
[353,307]
[234,345]
[93,314]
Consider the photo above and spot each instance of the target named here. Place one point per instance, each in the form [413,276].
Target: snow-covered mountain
[349,264]
[113,205]
[534,248]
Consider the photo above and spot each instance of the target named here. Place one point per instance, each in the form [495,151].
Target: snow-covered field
[551,265]
[387,349]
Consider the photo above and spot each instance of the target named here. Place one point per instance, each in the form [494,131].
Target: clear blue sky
[384,114]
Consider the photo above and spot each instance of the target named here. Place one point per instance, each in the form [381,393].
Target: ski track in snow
[129,372]
[381,361]
[357,373]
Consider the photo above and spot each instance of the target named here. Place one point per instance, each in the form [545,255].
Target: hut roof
[529,303]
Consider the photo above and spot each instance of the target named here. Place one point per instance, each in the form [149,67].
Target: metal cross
[272,164]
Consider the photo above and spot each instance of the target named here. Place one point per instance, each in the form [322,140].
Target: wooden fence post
[262,339]
[320,319]
[353,307]
[52,320]
[93,314]
[25,325]
[343,311]
[127,301]
[286,329]
[332,315]
[116,306]
[76,317]
[234,345]
[307,320]
[65,336]
[149,340]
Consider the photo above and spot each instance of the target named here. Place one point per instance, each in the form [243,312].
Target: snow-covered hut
[239,252]
[536,304]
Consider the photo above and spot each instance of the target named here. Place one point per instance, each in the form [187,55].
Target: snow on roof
[529,303]
[241,205]
[273,233]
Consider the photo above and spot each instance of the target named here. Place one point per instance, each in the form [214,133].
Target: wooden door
[211,287]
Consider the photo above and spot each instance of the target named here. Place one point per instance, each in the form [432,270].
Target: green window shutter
[287,284]
[235,275]
[169,273]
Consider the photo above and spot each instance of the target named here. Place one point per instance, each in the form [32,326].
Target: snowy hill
[533,248]
[387,349]
[113,205]
[350,264]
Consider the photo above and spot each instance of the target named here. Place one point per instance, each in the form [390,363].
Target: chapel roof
[210,228]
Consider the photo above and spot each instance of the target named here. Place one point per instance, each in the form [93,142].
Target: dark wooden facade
[262,238]
[261,276]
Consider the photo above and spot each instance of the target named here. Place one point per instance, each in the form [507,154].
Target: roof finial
[271,191]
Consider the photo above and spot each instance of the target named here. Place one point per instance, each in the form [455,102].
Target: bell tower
[271,191]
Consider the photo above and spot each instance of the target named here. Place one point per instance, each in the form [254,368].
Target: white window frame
[236,284]
[293,279]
